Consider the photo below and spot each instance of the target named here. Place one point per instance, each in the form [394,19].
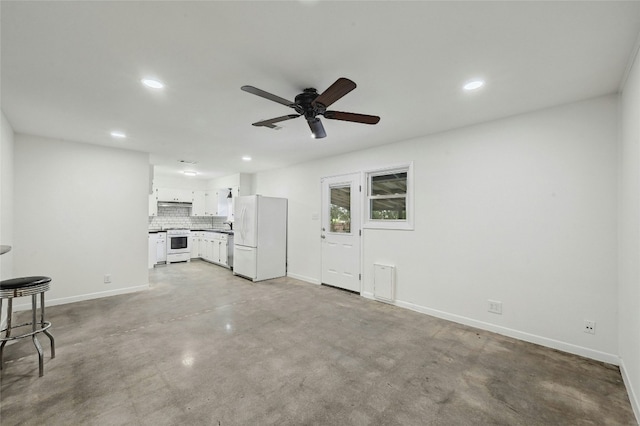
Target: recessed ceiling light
[154,84]
[119,135]
[190,173]
[473,85]
[246,158]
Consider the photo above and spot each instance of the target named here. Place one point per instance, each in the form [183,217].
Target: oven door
[178,244]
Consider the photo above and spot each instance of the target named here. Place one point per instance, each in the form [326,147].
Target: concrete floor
[202,347]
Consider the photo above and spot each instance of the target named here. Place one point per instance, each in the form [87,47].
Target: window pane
[389,184]
[389,209]
[340,209]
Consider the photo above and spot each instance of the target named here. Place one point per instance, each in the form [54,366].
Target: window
[389,198]
[340,209]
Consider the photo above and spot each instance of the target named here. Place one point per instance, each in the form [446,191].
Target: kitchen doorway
[341,231]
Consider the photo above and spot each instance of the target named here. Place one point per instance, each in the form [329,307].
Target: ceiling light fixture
[473,85]
[190,173]
[154,84]
[246,158]
[117,134]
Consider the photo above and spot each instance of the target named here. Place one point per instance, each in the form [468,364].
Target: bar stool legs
[42,325]
[28,286]
[8,332]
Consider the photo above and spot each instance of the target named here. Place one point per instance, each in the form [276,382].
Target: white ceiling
[72,70]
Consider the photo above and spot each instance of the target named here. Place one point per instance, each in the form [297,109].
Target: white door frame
[355,179]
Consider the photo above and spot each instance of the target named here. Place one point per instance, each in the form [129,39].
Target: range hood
[174,204]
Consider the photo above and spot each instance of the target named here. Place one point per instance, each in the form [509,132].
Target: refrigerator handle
[242,220]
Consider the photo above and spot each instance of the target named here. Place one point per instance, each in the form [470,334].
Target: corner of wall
[633,395]
[629,230]
[6,199]
[6,194]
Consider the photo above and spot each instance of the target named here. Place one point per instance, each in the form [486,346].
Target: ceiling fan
[310,104]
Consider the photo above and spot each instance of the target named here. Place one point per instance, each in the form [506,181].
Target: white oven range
[178,249]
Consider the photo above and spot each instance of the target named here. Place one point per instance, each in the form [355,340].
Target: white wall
[240,180]
[81,212]
[161,181]
[629,233]
[6,196]
[521,210]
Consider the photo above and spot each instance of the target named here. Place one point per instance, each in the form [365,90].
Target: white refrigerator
[260,237]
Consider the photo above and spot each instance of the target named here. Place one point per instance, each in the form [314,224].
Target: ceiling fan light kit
[310,104]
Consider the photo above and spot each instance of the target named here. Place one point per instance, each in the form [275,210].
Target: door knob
[322,236]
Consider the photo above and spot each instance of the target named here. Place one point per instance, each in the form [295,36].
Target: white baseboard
[516,334]
[633,395]
[303,278]
[81,297]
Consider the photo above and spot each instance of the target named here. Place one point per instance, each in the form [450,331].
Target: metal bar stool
[26,286]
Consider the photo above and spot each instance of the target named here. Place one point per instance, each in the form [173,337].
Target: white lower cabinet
[194,243]
[214,248]
[210,246]
[205,247]
[161,247]
[153,249]
[224,253]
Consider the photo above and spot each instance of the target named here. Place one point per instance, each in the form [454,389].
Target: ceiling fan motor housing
[304,104]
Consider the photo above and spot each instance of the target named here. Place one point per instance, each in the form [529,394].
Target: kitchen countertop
[219,231]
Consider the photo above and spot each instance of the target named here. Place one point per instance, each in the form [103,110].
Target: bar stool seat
[26,286]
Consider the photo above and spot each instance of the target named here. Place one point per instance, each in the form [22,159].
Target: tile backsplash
[178,217]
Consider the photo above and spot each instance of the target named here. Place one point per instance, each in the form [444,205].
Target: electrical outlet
[495,307]
[107,278]
[589,327]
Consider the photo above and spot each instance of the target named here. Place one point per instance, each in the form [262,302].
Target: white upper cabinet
[218,203]
[210,203]
[174,195]
[198,208]
[223,202]
[153,204]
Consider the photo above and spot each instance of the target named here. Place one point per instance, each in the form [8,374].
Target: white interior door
[341,231]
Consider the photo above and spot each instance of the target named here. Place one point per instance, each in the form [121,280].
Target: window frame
[399,224]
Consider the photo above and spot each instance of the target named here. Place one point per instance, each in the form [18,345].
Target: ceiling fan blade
[267,95]
[317,129]
[341,87]
[350,116]
[270,123]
